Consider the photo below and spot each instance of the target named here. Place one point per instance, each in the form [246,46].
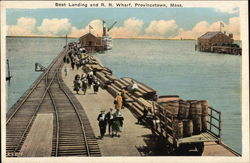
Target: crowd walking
[112,119]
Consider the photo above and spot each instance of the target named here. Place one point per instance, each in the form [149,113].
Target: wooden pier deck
[73,130]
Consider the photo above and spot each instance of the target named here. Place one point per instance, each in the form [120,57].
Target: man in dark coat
[102,123]
[110,119]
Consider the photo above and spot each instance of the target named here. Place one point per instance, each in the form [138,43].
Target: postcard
[124,81]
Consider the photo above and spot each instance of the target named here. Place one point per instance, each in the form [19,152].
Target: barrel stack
[190,116]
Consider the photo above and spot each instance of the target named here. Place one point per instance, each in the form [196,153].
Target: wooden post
[219,125]
[211,114]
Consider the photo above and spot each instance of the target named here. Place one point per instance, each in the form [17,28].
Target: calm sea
[170,67]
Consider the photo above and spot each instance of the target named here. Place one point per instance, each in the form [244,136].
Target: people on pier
[77,84]
[118,101]
[134,87]
[96,86]
[102,123]
[124,95]
[90,78]
[117,123]
[84,83]
[72,64]
[110,119]
[146,114]
[67,60]
[66,71]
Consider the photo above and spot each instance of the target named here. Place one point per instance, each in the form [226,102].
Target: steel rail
[78,115]
[57,120]
[34,115]
[34,87]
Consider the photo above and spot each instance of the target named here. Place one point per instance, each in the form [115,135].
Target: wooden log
[144,102]
[119,84]
[111,77]
[103,78]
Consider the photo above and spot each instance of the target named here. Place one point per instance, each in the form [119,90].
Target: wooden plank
[39,140]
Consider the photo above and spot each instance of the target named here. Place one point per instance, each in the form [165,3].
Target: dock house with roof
[218,42]
[92,43]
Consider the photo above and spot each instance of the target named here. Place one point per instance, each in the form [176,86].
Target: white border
[245,87]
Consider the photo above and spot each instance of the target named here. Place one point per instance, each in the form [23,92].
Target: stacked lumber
[143,91]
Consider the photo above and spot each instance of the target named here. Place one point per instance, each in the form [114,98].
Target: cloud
[55,27]
[161,28]
[227,9]
[97,29]
[131,27]
[25,26]
[202,27]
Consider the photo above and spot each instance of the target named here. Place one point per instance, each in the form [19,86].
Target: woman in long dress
[77,84]
[117,123]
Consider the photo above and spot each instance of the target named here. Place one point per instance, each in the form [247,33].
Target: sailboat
[9,76]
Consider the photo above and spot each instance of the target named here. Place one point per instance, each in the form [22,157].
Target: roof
[88,34]
[209,35]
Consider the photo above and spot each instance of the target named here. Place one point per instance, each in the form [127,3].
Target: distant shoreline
[113,38]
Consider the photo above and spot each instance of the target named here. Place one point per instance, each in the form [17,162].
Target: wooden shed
[91,43]
[210,39]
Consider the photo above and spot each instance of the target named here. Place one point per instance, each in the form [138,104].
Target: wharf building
[218,42]
[92,43]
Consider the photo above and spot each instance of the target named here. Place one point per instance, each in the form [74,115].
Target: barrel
[171,106]
[195,108]
[204,107]
[204,123]
[178,128]
[197,126]
[187,127]
[183,109]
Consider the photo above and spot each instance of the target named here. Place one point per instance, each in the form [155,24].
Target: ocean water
[170,67]
[23,53]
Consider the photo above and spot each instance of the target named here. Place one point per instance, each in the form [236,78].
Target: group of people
[77,57]
[84,82]
[112,119]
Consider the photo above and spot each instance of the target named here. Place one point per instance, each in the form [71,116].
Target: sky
[151,23]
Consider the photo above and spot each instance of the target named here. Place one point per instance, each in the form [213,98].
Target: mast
[8,77]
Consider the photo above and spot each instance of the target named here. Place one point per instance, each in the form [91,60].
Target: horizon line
[134,38]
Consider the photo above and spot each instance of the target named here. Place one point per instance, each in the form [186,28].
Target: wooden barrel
[171,106]
[204,123]
[183,109]
[178,128]
[195,108]
[204,107]
[187,127]
[196,124]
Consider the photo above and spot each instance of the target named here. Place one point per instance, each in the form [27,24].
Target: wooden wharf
[71,135]
[144,97]
[65,123]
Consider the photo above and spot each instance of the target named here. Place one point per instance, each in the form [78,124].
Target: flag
[221,24]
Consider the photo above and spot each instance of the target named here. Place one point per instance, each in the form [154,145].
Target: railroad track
[72,133]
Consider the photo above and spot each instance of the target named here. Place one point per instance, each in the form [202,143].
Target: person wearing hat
[77,83]
[96,86]
[110,119]
[117,123]
[84,84]
[102,123]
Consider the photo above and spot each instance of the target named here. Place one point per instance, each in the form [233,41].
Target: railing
[214,122]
